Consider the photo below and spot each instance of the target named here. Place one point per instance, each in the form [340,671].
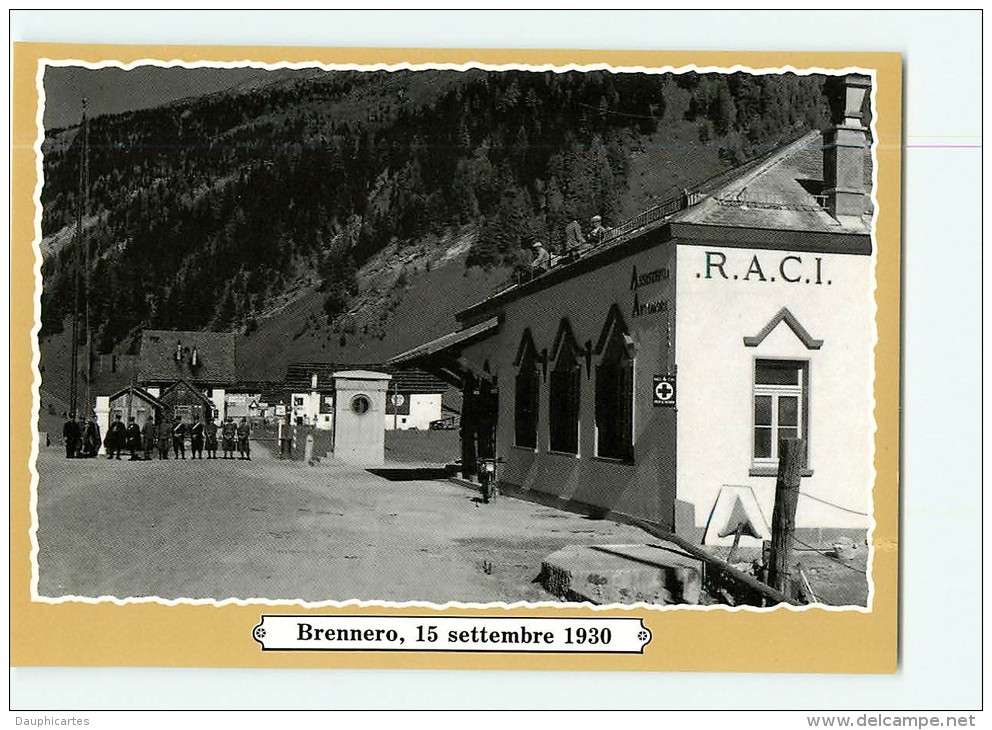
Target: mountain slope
[347,215]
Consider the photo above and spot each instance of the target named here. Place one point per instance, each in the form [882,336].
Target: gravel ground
[278,530]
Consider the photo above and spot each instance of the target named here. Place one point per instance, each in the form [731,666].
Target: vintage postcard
[455,359]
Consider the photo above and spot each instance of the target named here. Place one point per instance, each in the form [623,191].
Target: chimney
[313,381]
[844,150]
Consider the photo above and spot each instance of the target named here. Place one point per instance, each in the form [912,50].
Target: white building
[654,376]
[413,400]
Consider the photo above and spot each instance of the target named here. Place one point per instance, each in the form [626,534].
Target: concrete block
[603,574]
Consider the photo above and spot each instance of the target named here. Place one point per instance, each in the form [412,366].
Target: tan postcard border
[148,634]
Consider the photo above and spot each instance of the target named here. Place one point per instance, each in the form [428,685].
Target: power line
[835,506]
[618,114]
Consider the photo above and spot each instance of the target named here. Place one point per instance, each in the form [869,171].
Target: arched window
[527,390]
[615,391]
[566,383]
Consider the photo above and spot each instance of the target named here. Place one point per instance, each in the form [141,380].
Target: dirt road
[271,529]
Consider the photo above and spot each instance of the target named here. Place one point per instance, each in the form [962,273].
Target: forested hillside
[204,213]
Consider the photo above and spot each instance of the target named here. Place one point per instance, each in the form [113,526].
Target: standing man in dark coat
[179,439]
[116,436]
[229,432]
[244,432]
[164,437]
[210,431]
[148,437]
[133,437]
[196,440]
[71,436]
[91,438]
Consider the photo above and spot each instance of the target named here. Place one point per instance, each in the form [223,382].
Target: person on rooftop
[598,231]
[542,259]
[575,241]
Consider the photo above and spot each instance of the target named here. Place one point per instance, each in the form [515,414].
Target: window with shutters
[781,405]
[615,399]
[527,390]
[563,410]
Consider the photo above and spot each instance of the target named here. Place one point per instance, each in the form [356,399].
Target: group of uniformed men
[141,442]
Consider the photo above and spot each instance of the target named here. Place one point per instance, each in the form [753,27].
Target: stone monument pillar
[102,411]
[359,417]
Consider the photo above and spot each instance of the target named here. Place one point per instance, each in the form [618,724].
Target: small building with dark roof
[137,402]
[185,373]
[205,361]
[187,403]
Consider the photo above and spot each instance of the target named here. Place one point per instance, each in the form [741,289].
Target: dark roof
[250,386]
[190,387]
[215,357]
[456,339]
[275,393]
[407,380]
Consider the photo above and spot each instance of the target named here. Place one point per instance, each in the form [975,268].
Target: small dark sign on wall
[398,403]
[664,391]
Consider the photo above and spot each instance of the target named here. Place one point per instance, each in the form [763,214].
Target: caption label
[452,633]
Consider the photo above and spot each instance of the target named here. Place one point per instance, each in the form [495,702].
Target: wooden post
[396,390]
[790,464]
[737,543]
[308,450]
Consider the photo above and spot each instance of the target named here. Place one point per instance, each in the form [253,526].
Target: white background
[941,521]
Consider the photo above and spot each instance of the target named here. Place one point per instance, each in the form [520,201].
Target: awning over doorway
[442,356]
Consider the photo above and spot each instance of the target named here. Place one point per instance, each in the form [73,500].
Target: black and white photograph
[456,336]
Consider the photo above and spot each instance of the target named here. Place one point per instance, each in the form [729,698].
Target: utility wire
[618,114]
[835,506]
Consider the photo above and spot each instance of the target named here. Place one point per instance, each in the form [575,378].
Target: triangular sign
[739,518]
[736,505]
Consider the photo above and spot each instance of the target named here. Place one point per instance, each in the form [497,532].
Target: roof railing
[763,201]
[649,218]
[654,216]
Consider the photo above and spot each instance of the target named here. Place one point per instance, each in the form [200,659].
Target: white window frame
[800,392]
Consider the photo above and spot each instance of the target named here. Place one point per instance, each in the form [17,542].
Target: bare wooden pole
[396,390]
[767,592]
[88,395]
[791,460]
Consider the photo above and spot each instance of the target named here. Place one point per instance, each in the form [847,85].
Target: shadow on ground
[413,473]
